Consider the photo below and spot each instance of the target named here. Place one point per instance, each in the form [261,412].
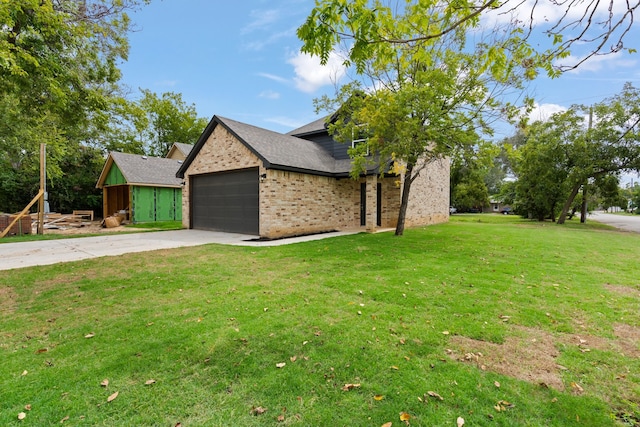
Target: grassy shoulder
[494,319]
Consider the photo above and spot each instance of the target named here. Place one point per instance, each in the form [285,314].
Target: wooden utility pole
[43,178]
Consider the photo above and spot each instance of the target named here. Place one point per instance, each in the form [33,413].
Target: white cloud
[274,78]
[613,61]
[285,121]
[542,112]
[269,94]
[261,19]
[311,75]
[259,44]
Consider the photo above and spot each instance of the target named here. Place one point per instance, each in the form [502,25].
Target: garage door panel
[226,201]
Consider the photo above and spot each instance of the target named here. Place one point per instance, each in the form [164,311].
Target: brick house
[244,179]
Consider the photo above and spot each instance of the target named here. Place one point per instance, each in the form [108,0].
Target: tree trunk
[568,203]
[406,186]
[583,211]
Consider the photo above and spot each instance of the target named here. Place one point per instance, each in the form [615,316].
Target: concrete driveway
[623,222]
[28,254]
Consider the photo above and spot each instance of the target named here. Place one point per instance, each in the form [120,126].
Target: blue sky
[241,60]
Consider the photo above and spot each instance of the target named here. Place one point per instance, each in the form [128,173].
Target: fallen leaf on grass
[389,424]
[258,411]
[405,417]
[496,383]
[348,387]
[576,387]
[42,350]
[460,421]
[280,365]
[22,416]
[445,332]
[64,419]
[378,397]
[105,383]
[112,397]
[90,335]
[503,405]
[280,418]
[293,358]
[149,382]
[435,395]
[27,407]
[24,372]
[395,368]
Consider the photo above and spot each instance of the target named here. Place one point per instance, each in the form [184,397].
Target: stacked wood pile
[54,220]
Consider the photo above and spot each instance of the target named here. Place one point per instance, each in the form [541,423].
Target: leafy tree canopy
[58,76]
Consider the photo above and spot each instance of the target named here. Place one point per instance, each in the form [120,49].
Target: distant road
[623,222]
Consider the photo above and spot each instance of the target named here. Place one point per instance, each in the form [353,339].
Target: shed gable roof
[143,170]
[276,150]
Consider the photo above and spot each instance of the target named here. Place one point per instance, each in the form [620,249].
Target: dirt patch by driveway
[93,227]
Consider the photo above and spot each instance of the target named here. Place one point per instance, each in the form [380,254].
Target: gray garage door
[226,201]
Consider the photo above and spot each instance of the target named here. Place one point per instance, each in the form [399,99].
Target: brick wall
[293,203]
[23,226]
[429,195]
[221,152]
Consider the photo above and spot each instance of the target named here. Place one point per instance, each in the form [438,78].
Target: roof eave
[105,171]
[198,145]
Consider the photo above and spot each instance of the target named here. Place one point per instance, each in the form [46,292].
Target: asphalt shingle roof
[276,150]
[138,169]
[313,127]
[184,148]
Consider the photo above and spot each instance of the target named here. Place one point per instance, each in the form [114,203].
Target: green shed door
[143,209]
[156,204]
[168,204]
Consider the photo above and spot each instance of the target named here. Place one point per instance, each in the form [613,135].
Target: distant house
[179,151]
[144,188]
[244,179]
[496,206]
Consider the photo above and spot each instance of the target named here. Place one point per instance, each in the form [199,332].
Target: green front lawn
[494,319]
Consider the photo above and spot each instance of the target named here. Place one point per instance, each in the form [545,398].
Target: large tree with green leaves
[609,145]
[582,148]
[541,166]
[58,81]
[58,74]
[475,175]
[431,68]
[167,119]
[425,97]
[147,125]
